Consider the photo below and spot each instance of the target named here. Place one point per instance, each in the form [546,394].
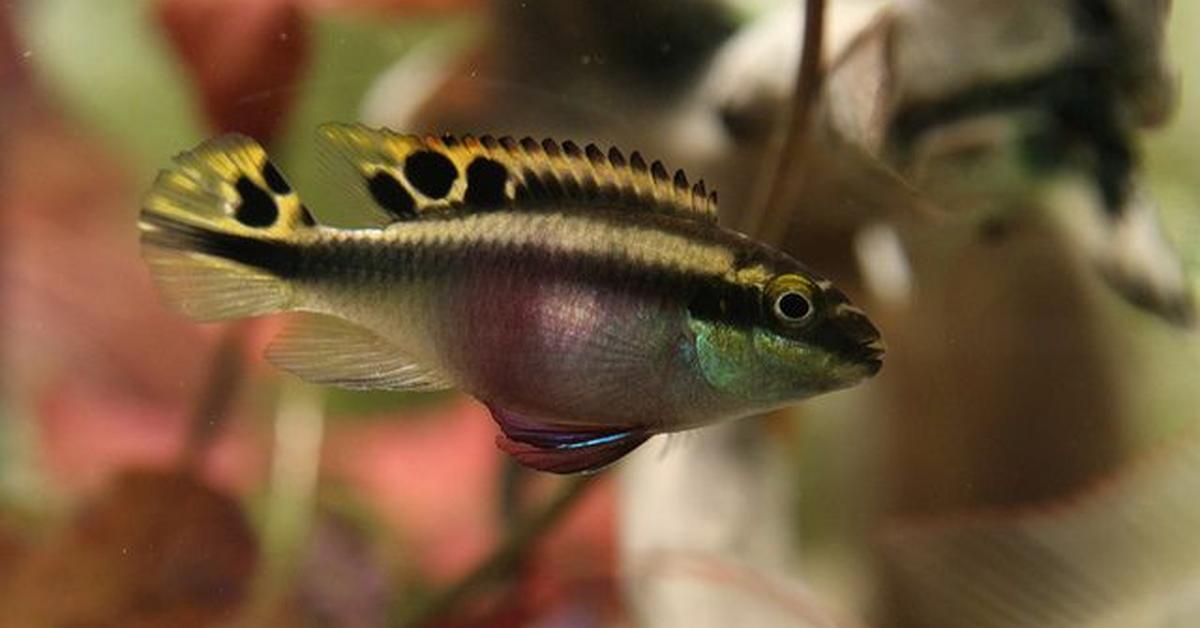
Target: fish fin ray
[228,184]
[208,288]
[214,230]
[480,174]
[328,350]
[563,448]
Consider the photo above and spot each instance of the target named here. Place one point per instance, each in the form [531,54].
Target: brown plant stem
[505,558]
[768,217]
[216,398]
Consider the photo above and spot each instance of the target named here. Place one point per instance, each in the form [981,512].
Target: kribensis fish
[591,301]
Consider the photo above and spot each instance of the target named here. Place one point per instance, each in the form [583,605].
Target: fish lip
[873,366]
[870,353]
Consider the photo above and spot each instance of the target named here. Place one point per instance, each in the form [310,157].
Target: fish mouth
[870,355]
[858,339]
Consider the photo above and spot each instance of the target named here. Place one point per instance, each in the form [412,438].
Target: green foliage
[109,66]
[1169,152]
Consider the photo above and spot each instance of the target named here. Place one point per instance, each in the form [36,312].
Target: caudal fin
[218,230]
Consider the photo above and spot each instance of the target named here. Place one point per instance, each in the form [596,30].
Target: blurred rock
[1121,553]
[155,550]
[1015,97]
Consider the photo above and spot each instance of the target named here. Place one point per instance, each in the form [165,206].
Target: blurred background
[1008,187]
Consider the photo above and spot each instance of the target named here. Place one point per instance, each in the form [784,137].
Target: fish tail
[219,230]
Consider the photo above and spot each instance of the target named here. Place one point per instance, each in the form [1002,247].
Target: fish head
[813,336]
[787,336]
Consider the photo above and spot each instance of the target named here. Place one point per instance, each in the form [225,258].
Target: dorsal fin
[405,176]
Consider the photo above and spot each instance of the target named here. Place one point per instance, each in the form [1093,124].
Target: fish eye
[790,300]
[792,307]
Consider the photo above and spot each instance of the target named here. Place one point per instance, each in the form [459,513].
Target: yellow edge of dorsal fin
[230,184]
[404,176]
[221,199]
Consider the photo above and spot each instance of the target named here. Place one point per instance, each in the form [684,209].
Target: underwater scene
[599,313]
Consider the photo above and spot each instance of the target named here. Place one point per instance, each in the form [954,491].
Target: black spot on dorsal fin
[680,181]
[464,173]
[431,173]
[306,217]
[699,194]
[565,172]
[570,185]
[552,186]
[594,154]
[256,208]
[659,172]
[533,185]
[486,182]
[391,196]
[274,179]
[616,158]
[636,163]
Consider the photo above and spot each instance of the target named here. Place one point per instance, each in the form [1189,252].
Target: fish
[590,300]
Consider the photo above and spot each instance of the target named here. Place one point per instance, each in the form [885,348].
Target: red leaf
[246,58]
[77,297]
[89,432]
[430,476]
[11,56]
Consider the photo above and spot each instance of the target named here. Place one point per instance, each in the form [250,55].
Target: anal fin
[328,350]
[563,448]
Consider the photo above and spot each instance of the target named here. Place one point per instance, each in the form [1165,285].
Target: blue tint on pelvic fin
[562,448]
[599,440]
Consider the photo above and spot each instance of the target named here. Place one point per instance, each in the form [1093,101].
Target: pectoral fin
[563,448]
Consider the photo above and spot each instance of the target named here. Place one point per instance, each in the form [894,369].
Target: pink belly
[568,352]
